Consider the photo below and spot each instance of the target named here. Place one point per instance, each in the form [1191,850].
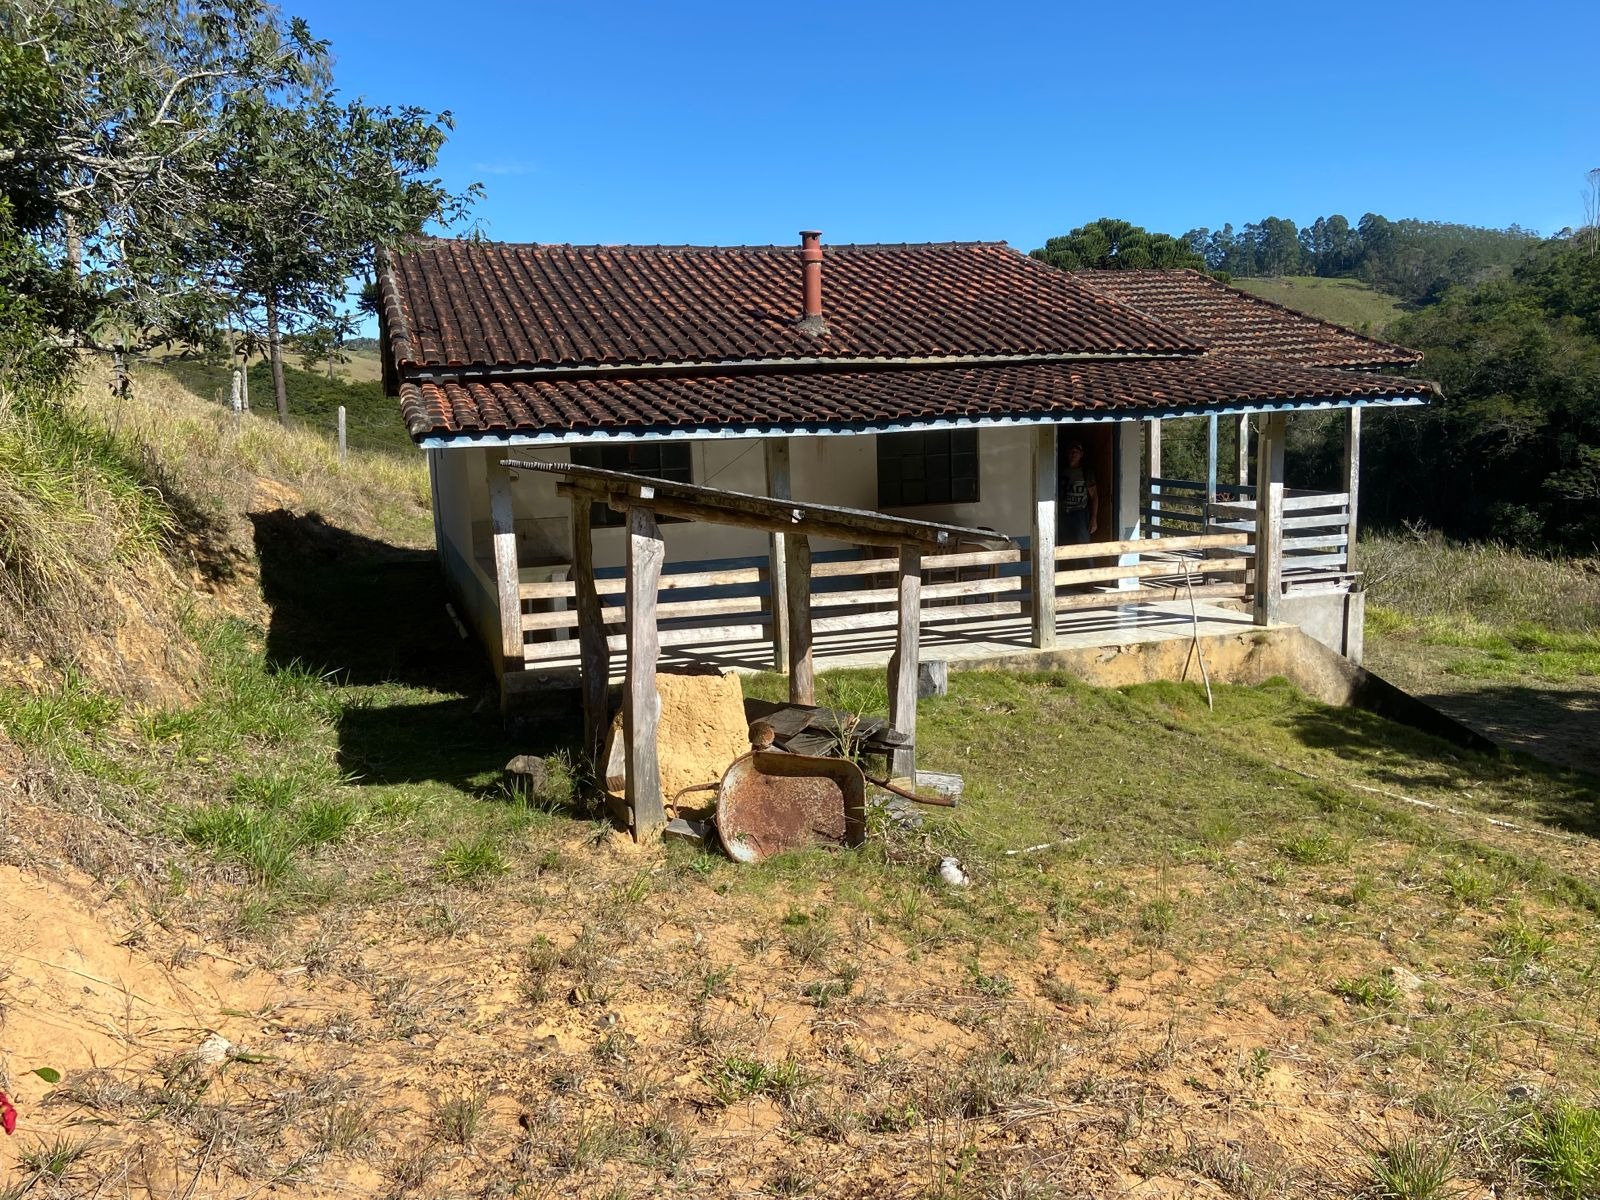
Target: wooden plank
[1042,549]
[1332,523]
[641,700]
[593,655]
[802,679]
[1352,472]
[1164,595]
[1269,517]
[779,485]
[1196,486]
[1145,545]
[503,533]
[931,562]
[669,582]
[1146,570]
[1241,450]
[903,662]
[1320,500]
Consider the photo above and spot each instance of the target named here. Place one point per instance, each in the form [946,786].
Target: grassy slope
[1244,956]
[1507,641]
[1347,302]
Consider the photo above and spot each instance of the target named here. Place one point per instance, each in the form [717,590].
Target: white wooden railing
[1316,525]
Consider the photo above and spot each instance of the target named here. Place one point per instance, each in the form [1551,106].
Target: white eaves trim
[467,441]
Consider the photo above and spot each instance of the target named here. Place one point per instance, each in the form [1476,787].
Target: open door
[1099,463]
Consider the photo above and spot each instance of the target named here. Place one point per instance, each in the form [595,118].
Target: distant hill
[1347,302]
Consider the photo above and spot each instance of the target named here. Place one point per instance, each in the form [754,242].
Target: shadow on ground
[421,703]
[1559,796]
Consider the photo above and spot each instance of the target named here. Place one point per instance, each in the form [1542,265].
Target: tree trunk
[275,352]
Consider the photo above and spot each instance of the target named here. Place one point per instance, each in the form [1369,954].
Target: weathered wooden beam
[1199,541]
[1268,584]
[1241,449]
[719,506]
[503,534]
[903,662]
[779,486]
[1352,477]
[797,561]
[641,700]
[1042,550]
[593,653]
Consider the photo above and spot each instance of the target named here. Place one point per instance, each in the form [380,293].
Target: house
[948,382]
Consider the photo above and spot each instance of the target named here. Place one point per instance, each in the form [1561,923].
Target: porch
[1184,542]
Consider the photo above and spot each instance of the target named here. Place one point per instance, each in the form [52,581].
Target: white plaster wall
[841,469]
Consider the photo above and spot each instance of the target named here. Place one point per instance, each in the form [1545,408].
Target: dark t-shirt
[1075,485]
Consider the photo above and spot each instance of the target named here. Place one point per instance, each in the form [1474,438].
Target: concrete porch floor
[960,637]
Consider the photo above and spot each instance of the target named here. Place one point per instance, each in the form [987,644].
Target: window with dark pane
[659,460]
[936,466]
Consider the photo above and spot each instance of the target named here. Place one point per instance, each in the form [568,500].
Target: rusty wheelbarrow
[770,800]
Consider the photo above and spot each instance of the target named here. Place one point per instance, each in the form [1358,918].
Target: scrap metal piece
[770,802]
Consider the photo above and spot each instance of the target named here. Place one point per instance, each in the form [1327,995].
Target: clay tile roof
[1235,324]
[461,304]
[841,399]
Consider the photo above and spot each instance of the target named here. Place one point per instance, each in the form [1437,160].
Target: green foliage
[1109,244]
[1412,1169]
[1411,259]
[1561,1147]
[173,169]
[1512,450]
[371,422]
[470,860]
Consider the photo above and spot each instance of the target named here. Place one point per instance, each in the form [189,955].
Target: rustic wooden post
[641,702]
[1042,548]
[1352,479]
[797,562]
[238,398]
[341,435]
[1152,472]
[907,652]
[503,530]
[593,655]
[1241,447]
[779,486]
[1269,517]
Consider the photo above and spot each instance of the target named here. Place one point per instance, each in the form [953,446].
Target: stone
[213,1052]
[680,829]
[526,774]
[933,678]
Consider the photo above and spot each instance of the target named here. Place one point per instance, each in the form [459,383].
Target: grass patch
[1347,302]
[1412,1169]
[1562,1149]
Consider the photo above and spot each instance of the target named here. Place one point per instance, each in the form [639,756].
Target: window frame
[921,468]
[606,457]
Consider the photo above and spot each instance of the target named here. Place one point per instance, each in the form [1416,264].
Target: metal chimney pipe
[811,275]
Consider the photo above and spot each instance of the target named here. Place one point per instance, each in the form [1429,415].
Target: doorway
[1100,462]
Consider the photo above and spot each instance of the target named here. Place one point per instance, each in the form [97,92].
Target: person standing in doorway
[1080,499]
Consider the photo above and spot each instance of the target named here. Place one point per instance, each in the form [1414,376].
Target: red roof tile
[460,304]
[843,398]
[1234,324]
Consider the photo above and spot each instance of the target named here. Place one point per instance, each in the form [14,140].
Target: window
[659,460]
[936,467]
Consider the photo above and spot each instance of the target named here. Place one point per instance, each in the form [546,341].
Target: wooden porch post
[778,485]
[1241,448]
[1152,469]
[1042,549]
[1127,519]
[502,523]
[593,655]
[1352,479]
[907,653]
[641,704]
[1211,459]
[1269,517]
[797,561]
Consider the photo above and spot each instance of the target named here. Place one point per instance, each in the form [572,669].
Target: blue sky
[744,122]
